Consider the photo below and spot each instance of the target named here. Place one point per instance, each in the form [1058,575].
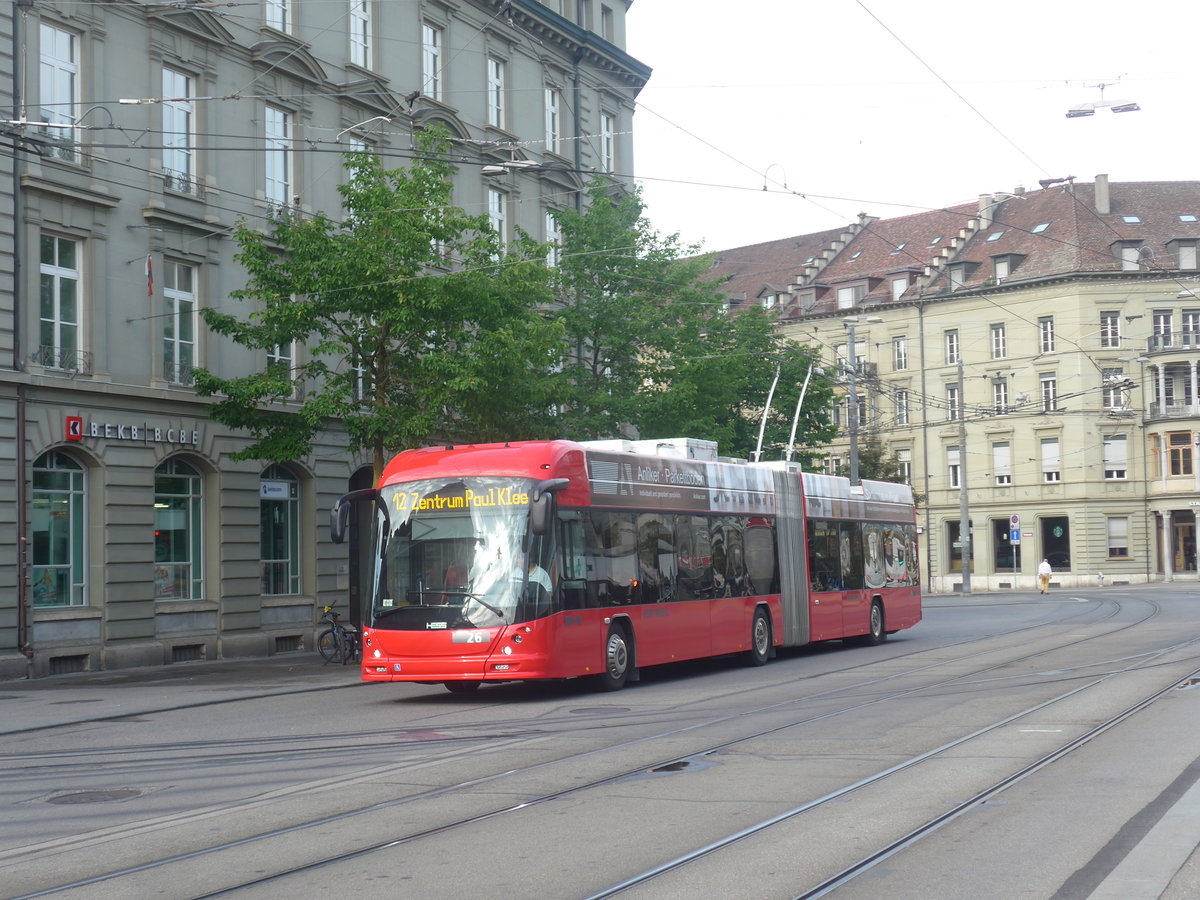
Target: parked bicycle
[339,642]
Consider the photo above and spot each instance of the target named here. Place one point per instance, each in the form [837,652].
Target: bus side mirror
[541,504]
[339,514]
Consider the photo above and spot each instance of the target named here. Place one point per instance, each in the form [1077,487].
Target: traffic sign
[1014,536]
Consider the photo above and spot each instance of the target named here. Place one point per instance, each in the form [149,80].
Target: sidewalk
[93,696]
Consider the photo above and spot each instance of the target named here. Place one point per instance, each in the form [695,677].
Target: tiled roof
[1059,231]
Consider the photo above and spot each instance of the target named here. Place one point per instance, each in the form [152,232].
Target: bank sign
[76,429]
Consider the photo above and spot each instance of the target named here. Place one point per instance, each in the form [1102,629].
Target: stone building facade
[141,135]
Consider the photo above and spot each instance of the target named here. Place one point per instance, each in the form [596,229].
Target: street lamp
[851,322]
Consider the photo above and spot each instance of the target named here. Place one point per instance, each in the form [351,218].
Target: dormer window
[769,300]
[1001,266]
[850,295]
[1186,255]
[1130,255]
[958,275]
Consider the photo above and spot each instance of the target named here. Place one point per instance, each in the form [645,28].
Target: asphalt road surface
[1011,745]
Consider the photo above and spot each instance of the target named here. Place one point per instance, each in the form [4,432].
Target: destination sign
[413,501]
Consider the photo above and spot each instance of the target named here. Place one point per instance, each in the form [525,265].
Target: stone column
[1168,548]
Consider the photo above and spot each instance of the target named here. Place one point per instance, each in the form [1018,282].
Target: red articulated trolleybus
[556,559]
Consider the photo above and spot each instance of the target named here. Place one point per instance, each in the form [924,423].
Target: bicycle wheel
[329,646]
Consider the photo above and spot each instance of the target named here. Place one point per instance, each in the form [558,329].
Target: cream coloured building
[1039,348]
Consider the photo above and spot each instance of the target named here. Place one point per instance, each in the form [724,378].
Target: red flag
[149,277]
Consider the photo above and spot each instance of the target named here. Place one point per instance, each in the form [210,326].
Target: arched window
[178,532]
[59,557]
[279,531]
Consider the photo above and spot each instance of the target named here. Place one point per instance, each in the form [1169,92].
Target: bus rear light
[517,638]
[507,651]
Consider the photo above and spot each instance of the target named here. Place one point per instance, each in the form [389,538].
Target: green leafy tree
[650,346]
[416,323]
[878,462]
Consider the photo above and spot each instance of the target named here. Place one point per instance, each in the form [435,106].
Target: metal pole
[853,408]
[796,417]
[762,426]
[964,512]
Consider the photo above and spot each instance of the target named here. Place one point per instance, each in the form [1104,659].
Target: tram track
[663,763]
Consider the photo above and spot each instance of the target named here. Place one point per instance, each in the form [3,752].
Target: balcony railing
[74,362]
[1173,410]
[182,183]
[179,374]
[1177,340]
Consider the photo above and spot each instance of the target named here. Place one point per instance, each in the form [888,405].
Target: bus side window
[852,555]
[574,562]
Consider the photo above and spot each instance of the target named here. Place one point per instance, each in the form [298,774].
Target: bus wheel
[462,687]
[760,640]
[876,635]
[616,660]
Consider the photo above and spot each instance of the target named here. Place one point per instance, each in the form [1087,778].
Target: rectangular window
[59,326]
[1000,395]
[1051,460]
[1131,257]
[553,122]
[496,214]
[1191,328]
[851,294]
[999,341]
[179,322]
[954,542]
[59,90]
[552,238]
[279,14]
[1112,388]
[902,407]
[1006,556]
[1002,462]
[360,33]
[952,356]
[431,61]
[1116,457]
[608,150]
[278,159]
[1161,329]
[1110,330]
[953,466]
[900,353]
[1118,537]
[904,472]
[958,275]
[1046,334]
[495,92]
[178,132]
[279,532]
[1179,453]
[281,359]
[1049,393]
[606,23]
[953,406]
[1187,255]
[1001,266]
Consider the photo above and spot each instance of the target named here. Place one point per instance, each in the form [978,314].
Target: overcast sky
[891,107]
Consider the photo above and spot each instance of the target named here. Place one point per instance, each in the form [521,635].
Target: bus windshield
[455,555]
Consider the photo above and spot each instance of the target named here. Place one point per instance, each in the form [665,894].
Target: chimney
[1103,205]
[985,211]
